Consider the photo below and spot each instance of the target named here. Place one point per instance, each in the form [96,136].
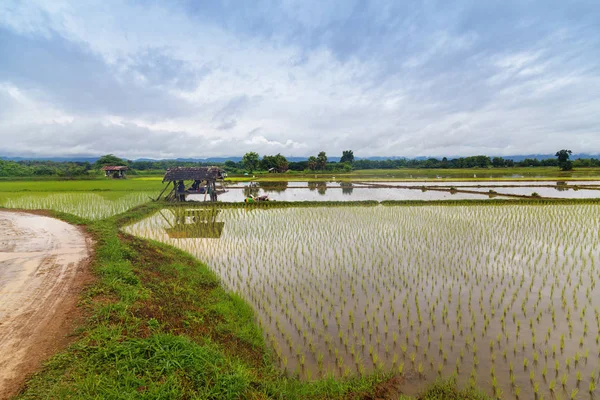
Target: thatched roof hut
[114,171]
[204,179]
[194,174]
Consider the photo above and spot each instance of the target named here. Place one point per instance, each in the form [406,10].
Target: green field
[152,181]
[325,300]
[84,185]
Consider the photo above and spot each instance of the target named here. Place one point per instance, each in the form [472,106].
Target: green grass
[83,185]
[161,326]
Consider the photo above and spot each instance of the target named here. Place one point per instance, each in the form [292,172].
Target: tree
[281,163]
[498,162]
[110,159]
[321,160]
[230,165]
[563,159]
[278,162]
[347,156]
[250,161]
[312,163]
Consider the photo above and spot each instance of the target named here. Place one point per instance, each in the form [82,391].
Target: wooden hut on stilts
[192,180]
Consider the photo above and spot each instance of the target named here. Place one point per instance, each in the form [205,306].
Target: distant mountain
[540,157]
[516,158]
[381,158]
[220,160]
[574,156]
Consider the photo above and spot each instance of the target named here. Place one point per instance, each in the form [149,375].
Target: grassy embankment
[161,326]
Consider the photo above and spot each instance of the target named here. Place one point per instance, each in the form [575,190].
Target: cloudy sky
[183,78]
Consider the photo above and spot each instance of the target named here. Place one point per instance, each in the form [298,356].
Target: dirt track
[43,266]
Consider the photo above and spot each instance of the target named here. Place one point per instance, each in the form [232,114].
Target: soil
[386,390]
[44,265]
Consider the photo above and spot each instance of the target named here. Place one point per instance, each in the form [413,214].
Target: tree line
[252,162]
[44,168]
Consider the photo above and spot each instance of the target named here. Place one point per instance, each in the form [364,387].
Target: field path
[43,266]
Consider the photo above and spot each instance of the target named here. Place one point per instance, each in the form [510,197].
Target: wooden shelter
[192,180]
[193,223]
[114,171]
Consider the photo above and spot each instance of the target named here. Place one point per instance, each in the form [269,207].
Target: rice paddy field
[93,206]
[90,199]
[413,190]
[503,297]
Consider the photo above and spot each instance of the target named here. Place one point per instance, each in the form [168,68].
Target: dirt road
[43,266]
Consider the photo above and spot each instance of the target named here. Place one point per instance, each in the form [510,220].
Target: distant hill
[93,159]
[220,159]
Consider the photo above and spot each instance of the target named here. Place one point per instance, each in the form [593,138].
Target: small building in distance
[114,171]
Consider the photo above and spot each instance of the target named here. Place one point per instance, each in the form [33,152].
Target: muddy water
[39,258]
[505,297]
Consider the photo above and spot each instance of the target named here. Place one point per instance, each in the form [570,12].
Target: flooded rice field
[83,204]
[380,191]
[503,297]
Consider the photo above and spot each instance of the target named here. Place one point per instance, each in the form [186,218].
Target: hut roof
[114,168]
[193,173]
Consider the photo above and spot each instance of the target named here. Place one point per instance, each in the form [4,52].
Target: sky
[183,78]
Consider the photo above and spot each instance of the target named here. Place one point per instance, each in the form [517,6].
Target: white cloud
[382,79]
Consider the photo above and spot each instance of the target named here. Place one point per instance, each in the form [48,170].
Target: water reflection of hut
[193,180]
[195,223]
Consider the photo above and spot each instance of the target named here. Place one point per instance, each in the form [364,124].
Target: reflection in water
[380,191]
[276,187]
[321,187]
[347,187]
[251,190]
[492,193]
[193,223]
[561,186]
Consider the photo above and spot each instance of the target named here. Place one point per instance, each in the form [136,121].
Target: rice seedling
[87,205]
[423,285]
